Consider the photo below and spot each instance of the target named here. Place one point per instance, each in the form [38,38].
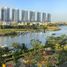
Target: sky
[57,8]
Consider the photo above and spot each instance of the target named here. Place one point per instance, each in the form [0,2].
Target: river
[28,36]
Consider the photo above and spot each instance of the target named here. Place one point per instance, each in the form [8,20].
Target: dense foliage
[53,53]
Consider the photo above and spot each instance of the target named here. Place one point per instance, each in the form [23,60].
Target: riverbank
[53,28]
[52,54]
[9,31]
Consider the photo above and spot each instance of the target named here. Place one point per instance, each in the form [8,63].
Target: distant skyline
[57,8]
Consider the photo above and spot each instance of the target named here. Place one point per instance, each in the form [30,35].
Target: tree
[65,47]
[36,44]
[2,59]
[23,47]
[58,47]
[15,45]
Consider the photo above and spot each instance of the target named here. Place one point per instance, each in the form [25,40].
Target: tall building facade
[13,15]
[48,17]
[32,16]
[26,16]
[7,14]
[38,17]
[2,14]
[43,17]
[23,15]
[17,15]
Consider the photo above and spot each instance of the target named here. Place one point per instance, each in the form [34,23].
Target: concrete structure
[32,16]
[38,17]
[43,17]
[2,14]
[13,15]
[48,17]
[17,15]
[23,15]
[26,16]
[7,14]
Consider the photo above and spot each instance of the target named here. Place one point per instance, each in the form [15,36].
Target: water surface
[27,37]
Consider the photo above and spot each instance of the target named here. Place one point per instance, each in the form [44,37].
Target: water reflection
[27,37]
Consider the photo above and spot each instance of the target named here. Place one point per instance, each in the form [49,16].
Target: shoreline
[53,28]
[8,32]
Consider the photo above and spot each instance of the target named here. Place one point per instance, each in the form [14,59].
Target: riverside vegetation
[14,29]
[52,53]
